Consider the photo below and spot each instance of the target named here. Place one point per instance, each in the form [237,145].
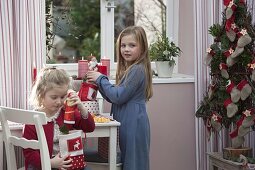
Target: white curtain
[22,47]
[206,14]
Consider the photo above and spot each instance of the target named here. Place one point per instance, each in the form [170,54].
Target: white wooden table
[101,130]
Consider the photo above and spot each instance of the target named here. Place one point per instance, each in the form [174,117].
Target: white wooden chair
[24,117]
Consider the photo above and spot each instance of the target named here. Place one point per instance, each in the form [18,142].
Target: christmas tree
[230,96]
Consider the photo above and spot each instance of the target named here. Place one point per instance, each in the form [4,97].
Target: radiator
[19,157]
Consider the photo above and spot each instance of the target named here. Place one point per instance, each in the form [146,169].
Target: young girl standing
[129,96]
[48,95]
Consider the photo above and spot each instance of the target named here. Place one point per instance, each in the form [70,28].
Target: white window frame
[107,32]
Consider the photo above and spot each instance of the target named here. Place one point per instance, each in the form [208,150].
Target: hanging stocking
[223,70]
[237,52]
[245,89]
[216,121]
[244,38]
[211,90]
[229,60]
[251,68]
[209,56]
[248,120]
[231,34]
[233,91]
[230,9]
[231,107]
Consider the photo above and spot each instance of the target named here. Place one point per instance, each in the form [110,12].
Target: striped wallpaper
[206,14]
[22,46]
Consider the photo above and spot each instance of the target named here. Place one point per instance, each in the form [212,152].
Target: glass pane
[75,26]
[150,14]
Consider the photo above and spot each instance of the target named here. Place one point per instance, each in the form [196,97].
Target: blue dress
[129,108]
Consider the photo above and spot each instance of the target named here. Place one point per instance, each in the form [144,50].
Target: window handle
[109,6]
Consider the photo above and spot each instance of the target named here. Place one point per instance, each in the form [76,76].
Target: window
[113,17]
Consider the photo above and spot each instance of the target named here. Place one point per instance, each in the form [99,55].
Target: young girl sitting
[48,95]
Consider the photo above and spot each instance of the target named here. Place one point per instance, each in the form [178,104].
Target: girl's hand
[61,163]
[73,97]
[92,76]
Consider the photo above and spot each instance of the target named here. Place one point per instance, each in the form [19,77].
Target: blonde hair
[123,67]
[47,79]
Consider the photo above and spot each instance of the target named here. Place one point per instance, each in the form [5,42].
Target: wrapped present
[71,144]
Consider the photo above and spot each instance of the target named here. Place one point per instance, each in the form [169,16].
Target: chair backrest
[24,117]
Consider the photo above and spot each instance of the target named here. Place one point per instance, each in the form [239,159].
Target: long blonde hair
[123,67]
[47,79]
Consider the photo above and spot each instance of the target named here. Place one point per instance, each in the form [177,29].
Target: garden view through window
[74,30]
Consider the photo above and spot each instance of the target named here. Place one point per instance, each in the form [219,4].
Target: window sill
[72,68]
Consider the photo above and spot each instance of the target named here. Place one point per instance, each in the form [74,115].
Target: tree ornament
[209,56]
[230,9]
[237,52]
[216,120]
[248,120]
[244,38]
[233,91]
[211,90]
[251,67]
[245,89]
[224,70]
[231,107]
[231,33]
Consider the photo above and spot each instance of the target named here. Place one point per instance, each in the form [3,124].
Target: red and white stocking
[237,52]
[231,34]
[230,107]
[209,55]
[244,38]
[233,91]
[224,70]
[71,144]
[245,89]
[230,9]
[216,121]
[248,119]
[230,61]
[251,67]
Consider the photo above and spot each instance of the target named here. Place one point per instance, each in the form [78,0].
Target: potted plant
[163,53]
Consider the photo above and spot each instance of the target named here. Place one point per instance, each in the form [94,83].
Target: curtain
[22,48]
[206,14]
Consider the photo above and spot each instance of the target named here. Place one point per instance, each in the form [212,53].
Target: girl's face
[54,99]
[129,48]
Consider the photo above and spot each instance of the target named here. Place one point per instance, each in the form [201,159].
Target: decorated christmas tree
[229,100]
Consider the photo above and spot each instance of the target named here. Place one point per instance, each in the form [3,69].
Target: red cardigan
[32,157]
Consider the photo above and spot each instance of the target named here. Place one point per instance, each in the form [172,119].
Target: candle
[102,69]
[82,68]
[106,62]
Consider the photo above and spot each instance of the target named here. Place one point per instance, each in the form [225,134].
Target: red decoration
[102,69]
[88,92]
